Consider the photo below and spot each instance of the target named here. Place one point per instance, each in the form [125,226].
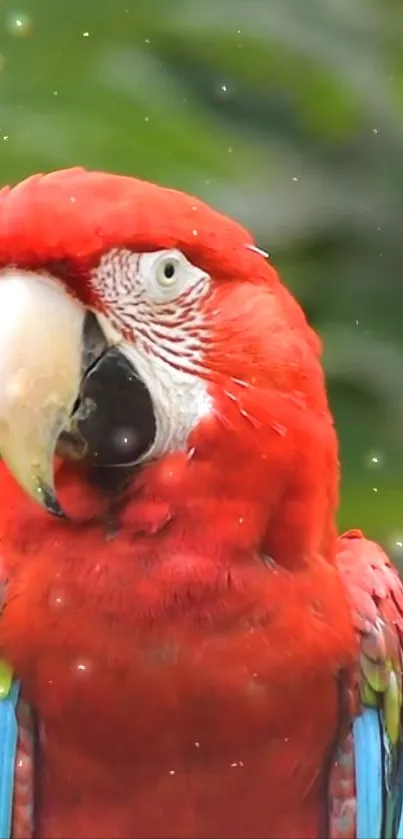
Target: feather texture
[376,597]
[204,657]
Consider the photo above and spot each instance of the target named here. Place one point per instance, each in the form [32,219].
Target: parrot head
[144,335]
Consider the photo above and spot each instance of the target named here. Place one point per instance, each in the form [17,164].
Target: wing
[370,761]
[16,755]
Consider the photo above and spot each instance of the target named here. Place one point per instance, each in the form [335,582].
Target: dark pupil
[169,270]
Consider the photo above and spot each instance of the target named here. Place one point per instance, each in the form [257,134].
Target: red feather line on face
[67,219]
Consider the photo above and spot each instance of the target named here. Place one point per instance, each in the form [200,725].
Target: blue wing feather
[8,749]
[375,592]
[368,774]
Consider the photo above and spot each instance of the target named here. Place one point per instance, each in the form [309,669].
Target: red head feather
[74,216]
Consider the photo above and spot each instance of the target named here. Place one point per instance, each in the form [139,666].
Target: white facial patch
[157,297]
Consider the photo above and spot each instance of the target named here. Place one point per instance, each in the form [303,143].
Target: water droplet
[223,90]
[241,520]
[6,137]
[19,24]
[24,762]
[82,667]
[86,34]
[374,489]
[374,460]
[147,41]
[55,92]
[230,149]
[146,119]
[295,179]
[195,232]
[357,323]
[374,130]
[172,771]
[57,599]
[395,546]
[125,440]
[197,744]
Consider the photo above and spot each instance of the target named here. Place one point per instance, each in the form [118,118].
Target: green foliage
[288,115]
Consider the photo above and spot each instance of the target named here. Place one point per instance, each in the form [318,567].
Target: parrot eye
[158,277]
[167,272]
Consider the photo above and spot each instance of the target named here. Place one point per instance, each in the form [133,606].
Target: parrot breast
[183,685]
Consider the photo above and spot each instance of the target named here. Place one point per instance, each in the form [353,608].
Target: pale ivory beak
[41,334]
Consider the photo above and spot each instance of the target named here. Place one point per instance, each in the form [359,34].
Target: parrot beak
[64,388]
[41,331]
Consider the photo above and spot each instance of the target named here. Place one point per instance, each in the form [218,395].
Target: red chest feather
[199,698]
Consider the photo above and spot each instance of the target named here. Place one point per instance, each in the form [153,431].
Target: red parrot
[196,653]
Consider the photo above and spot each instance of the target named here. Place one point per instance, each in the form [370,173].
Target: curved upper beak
[64,387]
[41,339]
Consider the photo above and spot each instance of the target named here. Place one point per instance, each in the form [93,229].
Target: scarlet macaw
[189,649]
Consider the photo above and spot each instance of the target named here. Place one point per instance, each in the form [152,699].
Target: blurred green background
[286,113]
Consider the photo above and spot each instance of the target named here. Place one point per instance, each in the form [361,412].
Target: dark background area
[288,114]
